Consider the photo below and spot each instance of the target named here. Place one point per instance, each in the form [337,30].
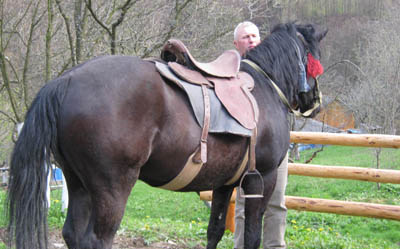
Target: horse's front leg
[254,211]
[216,225]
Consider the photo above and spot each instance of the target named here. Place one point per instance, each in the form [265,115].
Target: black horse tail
[26,199]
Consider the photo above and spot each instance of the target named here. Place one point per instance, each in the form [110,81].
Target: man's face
[247,38]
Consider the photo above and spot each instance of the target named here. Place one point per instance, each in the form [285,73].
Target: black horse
[114,120]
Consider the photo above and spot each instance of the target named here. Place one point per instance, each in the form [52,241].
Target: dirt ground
[120,242]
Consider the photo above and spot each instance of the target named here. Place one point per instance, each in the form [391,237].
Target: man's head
[245,37]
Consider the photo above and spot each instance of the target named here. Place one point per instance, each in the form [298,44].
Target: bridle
[317,100]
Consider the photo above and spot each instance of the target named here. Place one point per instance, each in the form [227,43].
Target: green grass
[341,231]
[160,215]
[153,215]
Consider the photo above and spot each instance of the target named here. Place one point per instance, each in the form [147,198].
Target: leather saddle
[231,86]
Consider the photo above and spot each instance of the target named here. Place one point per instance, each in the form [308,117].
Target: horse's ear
[320,35]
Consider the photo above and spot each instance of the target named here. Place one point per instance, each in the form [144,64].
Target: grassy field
[160,215]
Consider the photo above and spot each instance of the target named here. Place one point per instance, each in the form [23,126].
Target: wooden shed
[336,115]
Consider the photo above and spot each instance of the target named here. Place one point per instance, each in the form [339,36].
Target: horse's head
[289,59]
[308,93]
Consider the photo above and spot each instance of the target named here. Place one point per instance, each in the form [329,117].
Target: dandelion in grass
[293,221]
[146,227]
[321,229]
[308,229]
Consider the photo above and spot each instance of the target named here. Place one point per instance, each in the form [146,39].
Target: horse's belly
[225,162]
[174,168]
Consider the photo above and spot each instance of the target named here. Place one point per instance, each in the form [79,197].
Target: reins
[307,113]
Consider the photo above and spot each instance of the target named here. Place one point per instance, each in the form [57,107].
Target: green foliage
[317,230]
[160,215]
[3,215]
[339,231]
[56,217]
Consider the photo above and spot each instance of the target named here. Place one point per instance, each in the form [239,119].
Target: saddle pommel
[226,65]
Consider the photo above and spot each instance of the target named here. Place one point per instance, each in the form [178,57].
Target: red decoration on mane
[314,67]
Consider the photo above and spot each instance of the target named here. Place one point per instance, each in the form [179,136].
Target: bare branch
[89,7]
[69,34]
[314,154]
[17,24]
[9,117]
[34,23]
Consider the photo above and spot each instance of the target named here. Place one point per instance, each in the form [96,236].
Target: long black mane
[277,56]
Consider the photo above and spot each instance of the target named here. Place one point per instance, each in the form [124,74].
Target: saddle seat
[226,65]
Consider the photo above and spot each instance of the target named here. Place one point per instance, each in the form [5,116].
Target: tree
[375,96]
[40,39]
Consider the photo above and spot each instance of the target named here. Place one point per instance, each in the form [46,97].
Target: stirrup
[254,185]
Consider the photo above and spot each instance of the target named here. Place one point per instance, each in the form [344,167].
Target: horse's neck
[268,85]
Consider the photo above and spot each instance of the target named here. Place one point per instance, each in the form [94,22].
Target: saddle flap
[188,74]
[238,101]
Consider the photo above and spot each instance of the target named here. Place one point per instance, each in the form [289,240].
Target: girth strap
[186,176]
[192,169]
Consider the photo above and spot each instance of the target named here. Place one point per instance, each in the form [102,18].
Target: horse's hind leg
[216,225]
[109,193]
[95,210]
[79,211]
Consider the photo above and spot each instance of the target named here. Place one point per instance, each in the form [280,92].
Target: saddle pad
[221,121]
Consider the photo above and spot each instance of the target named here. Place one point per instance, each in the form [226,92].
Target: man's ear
[236,45]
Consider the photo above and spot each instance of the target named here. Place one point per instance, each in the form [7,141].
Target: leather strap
[186,176]
[252,152]
[253,102]
[206,124]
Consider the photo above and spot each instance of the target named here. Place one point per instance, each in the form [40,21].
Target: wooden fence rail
[340,172]
[363,140]
[343,207]
[345,172]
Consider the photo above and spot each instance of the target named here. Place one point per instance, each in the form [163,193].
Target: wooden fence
[339,172]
